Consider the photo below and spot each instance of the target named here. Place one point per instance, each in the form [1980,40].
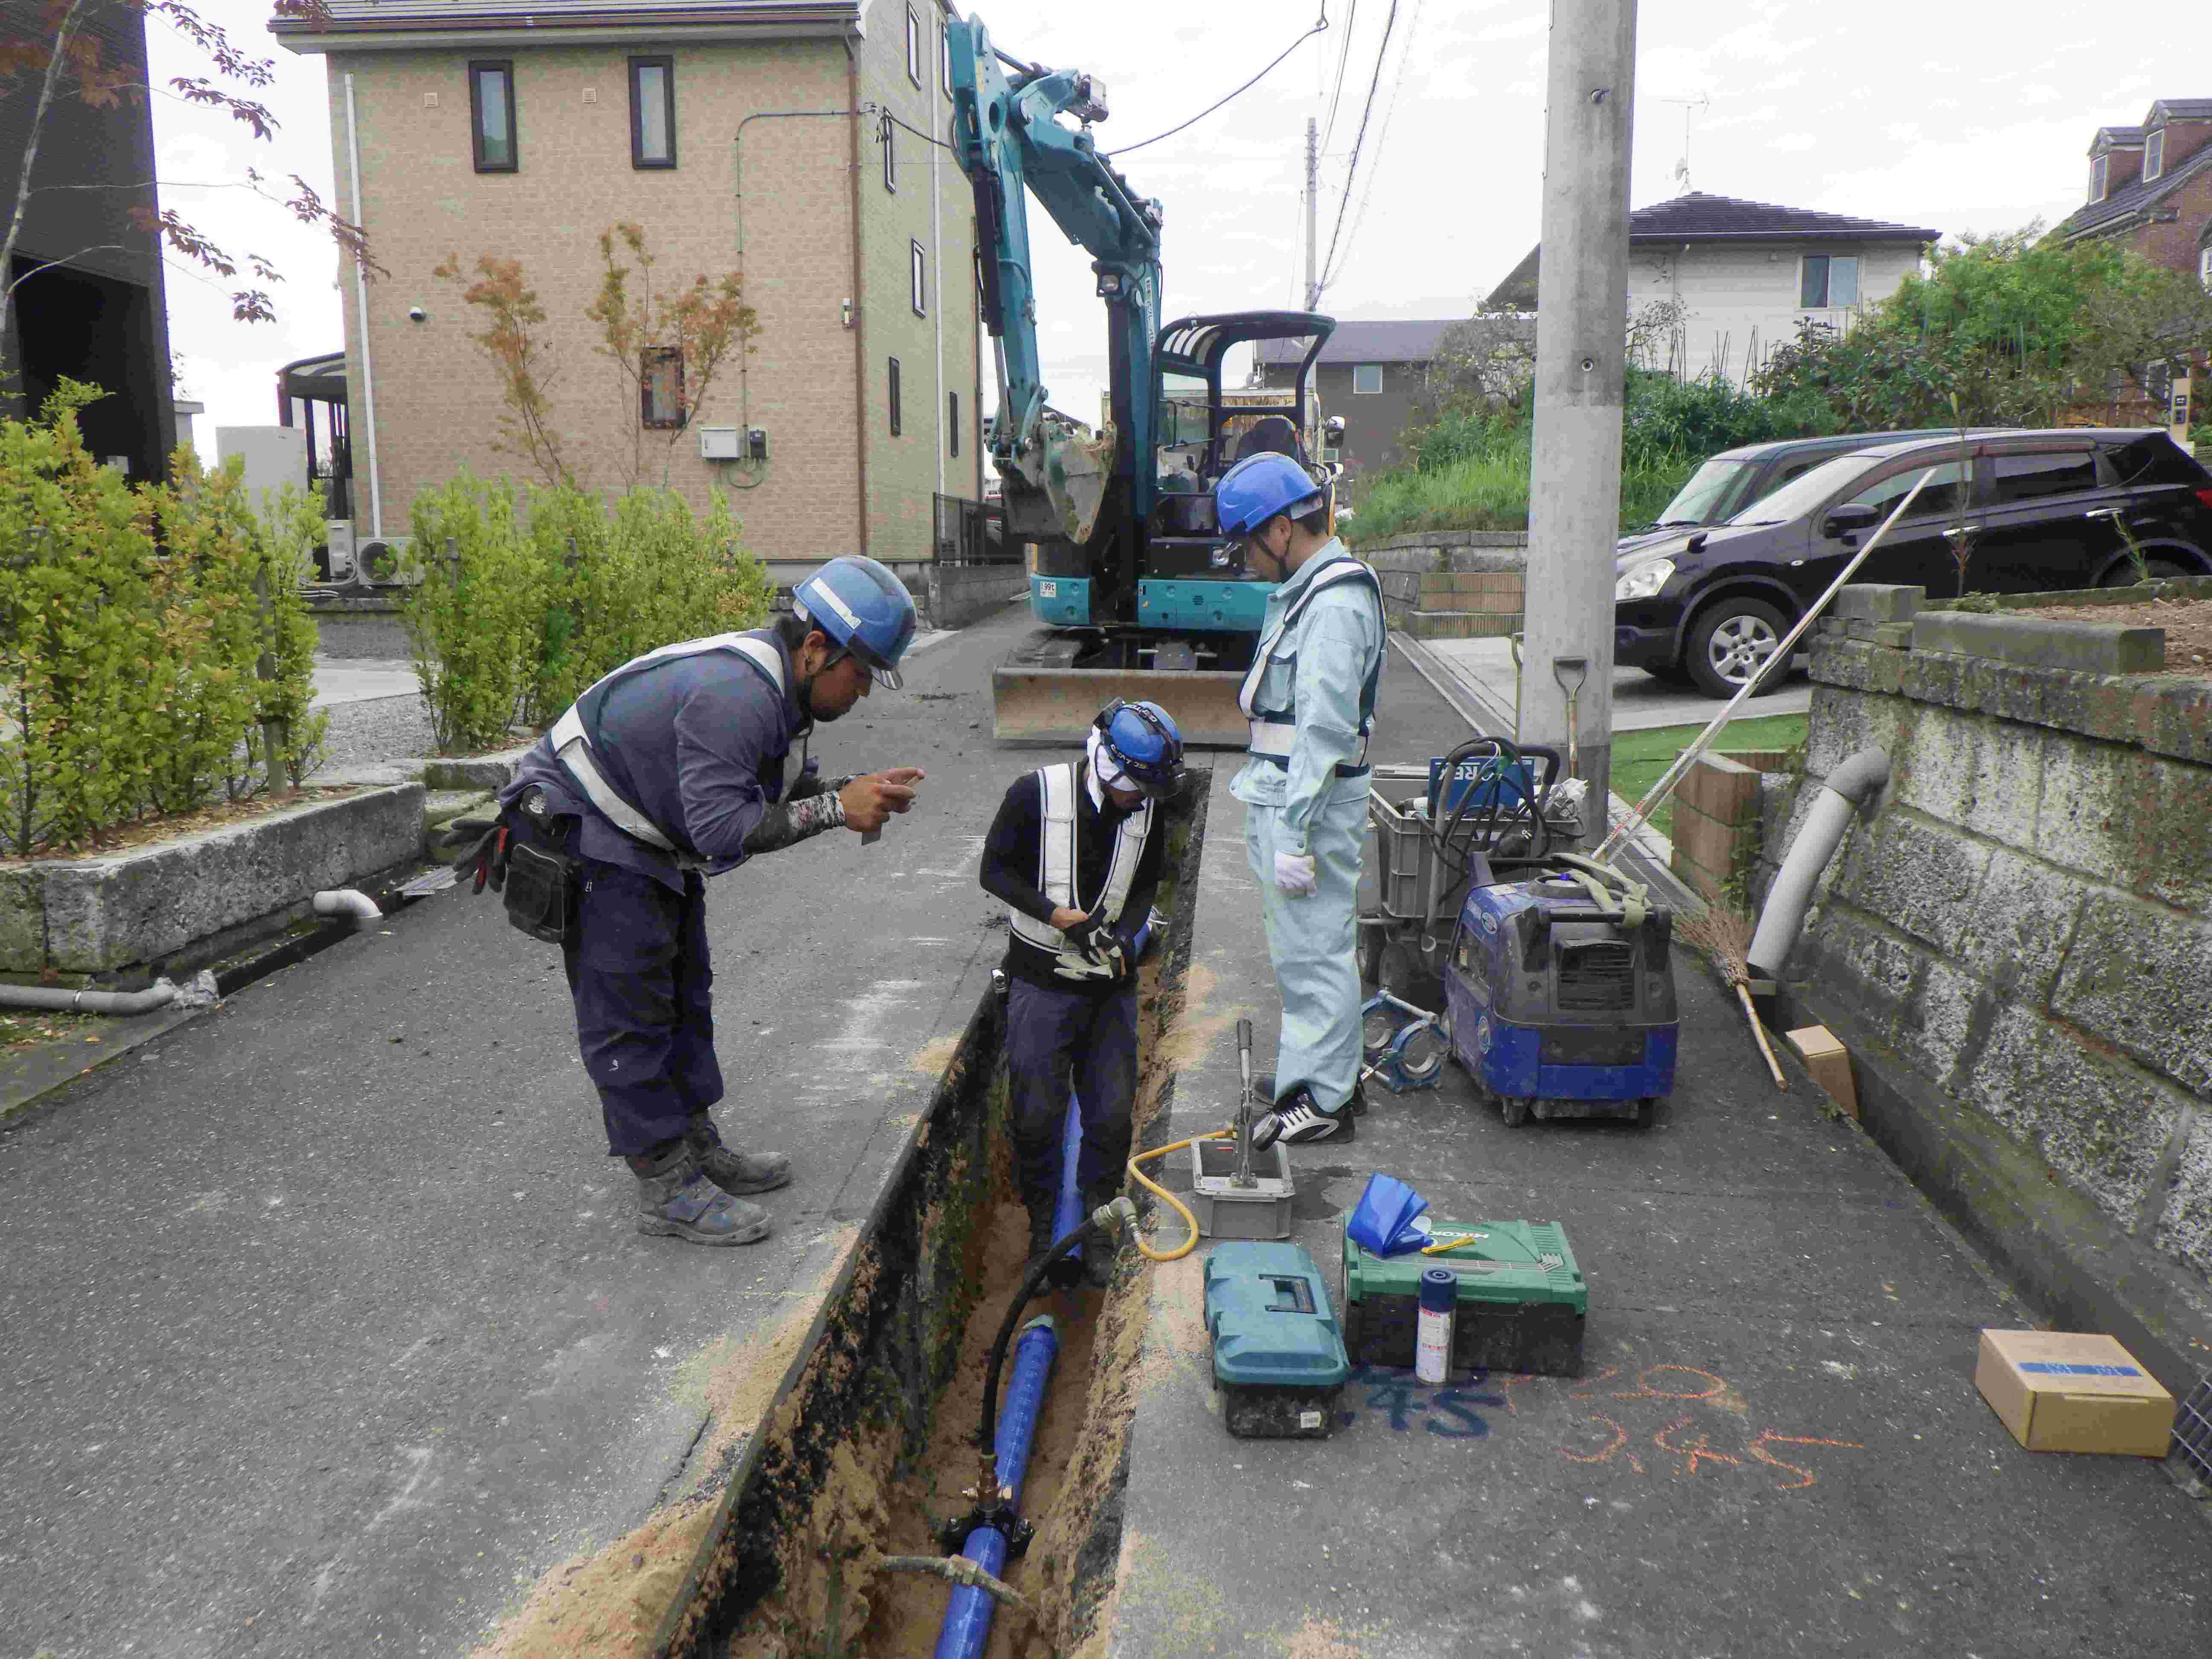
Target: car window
[1805,492]
[2155,458]
[1940,496]
[2026,478]
[1710,493]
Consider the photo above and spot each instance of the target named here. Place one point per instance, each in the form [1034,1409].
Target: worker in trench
[1311,699]
[678,766]
[1075,855]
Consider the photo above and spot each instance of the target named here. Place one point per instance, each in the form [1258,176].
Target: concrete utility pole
[1581,319]
[1313,207]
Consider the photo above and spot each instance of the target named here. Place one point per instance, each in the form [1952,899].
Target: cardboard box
[1829,1063]
[2073,1391]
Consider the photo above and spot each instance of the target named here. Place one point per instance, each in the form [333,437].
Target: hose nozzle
[1116,1219]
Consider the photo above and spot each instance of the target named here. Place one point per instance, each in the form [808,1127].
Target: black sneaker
[1296,1121]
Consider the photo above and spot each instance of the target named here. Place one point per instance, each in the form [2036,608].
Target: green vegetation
[1640,757]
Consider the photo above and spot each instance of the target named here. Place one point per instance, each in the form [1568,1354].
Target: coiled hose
[1227,1132]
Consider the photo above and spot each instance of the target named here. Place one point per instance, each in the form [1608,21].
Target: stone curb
[2084,647]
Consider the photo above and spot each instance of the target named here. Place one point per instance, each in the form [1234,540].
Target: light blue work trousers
[1315,943]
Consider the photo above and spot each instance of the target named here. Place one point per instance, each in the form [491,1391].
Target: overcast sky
[1971,116]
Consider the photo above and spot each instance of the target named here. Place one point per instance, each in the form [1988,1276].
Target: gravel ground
[377,729]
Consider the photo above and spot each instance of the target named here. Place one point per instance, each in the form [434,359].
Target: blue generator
[1561,991]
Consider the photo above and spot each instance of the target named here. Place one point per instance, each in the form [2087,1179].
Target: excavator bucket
[1037,701]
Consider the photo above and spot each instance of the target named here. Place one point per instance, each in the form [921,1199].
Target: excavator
[1136,594]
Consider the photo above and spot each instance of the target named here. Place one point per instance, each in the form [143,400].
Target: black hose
[1032,1277]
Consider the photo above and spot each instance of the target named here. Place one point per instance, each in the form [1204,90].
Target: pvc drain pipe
[966,1625]
[159,994]
[347,902]
[1846,789]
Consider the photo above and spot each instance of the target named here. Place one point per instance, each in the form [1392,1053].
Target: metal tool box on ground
[1521,1304]
[1279,1358]
[1223,1209]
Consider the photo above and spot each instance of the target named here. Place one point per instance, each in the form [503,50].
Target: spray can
[1432,1341]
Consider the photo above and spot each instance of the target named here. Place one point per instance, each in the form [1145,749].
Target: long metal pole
[360,318]
[1313,208]
[1574,494]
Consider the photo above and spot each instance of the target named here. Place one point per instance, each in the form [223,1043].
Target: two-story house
[2151,185]
[89,302]
[1739,278]
[797,143]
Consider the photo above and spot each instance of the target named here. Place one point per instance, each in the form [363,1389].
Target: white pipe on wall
[1841,795]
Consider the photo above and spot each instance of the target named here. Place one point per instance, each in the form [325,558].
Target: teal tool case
[1279,1359]
[1521,1304]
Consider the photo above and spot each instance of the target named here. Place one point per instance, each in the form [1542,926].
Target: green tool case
[1520,1307]
[1279,1360]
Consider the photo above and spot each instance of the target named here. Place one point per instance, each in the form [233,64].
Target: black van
[2034,512]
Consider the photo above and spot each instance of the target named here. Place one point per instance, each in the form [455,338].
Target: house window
[896,421]
[952,419]
[1367,377]
[890,154]
[2204,267]
[2153,155]
[491,115]
[2097,167]
[660,388]
[652,111]
[1828,280]
[918,278]
[914,46]
[945,41]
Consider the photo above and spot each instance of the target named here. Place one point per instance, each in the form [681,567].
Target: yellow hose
[1226,1133]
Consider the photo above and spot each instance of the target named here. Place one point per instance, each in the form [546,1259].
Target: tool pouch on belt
[541,891]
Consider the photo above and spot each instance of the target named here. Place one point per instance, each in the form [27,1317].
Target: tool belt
[523,855]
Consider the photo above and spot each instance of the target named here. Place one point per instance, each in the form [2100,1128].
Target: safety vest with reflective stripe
[1275,731]
[1056,863]
[571,737]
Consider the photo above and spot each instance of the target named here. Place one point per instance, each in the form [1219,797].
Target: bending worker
[1075,852]
[1310,697]
[679,766]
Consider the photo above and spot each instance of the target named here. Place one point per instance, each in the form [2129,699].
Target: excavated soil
[2187,622]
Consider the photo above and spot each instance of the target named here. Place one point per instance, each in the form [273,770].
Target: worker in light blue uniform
[678,766]
[1311,699]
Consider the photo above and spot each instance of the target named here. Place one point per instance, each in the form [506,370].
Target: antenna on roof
[1690,108]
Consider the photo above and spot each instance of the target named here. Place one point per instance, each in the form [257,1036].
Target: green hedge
[525,596]
[145,667]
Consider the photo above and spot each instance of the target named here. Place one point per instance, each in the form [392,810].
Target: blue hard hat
[1144,743]
[1258,487]
[865,609]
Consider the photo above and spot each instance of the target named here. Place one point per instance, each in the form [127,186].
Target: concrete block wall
[962,593]
[2016,941]
[1452,584]
[1716,823]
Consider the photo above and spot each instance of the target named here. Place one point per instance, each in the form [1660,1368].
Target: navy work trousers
[645,1013]
[1057,1039]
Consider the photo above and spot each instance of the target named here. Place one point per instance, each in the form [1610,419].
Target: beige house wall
[773,199]
[1739,301]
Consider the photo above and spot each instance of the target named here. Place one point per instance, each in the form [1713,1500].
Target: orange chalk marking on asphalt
[1620,1439]
[1767,1438]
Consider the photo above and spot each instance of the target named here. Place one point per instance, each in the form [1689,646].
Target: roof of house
[2109,138]
[1384,341]
[2181,109]
[387,23]
[1701,217]
[2132,201]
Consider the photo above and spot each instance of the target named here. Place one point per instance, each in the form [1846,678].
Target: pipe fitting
[1846,788]
[347,902]
[53,998]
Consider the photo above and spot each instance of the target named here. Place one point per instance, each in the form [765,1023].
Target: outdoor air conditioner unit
[384,560]
[338,561]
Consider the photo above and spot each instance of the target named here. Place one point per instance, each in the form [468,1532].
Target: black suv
[2034,512]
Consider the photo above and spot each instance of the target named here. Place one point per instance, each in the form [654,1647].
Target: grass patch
[1490,491]
[1640,757]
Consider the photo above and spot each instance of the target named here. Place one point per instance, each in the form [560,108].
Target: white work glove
[1295,874]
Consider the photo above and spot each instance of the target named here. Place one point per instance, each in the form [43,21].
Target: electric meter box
[722,443]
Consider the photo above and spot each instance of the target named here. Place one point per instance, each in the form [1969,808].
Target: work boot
[735,1172]
[674,1197]
[1296,1121]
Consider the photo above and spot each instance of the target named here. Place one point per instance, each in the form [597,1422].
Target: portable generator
[1561,991]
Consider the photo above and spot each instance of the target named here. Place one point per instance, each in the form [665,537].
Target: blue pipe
[966,1625]
[1067,1211]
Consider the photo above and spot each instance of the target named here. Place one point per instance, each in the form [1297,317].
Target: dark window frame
[897,413]
[952,424]
[914,46]
[667,64]
[918,277]
[944,52]
[646,417]
[891,155]
[1826,262]
[504,67]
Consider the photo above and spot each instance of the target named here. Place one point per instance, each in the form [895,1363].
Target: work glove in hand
[476,847]
[1296,875]
[1094,940]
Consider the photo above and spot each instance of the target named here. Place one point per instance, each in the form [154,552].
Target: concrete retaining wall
[1717,819]
[365,628]
[2015,942]
[99,916]
[962,593]
[1462,584]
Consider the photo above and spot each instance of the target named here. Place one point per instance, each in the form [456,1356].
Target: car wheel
[2153,570]
[1733,641]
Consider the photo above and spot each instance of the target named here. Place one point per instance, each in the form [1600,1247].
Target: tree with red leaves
[49,52]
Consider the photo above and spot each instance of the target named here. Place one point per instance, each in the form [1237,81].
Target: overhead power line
[1319,26]
[1382,138]
[1374,81]
[1343,63]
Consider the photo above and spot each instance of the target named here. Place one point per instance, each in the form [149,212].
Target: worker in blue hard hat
[1075,855]
[678,766]
[1310,698]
